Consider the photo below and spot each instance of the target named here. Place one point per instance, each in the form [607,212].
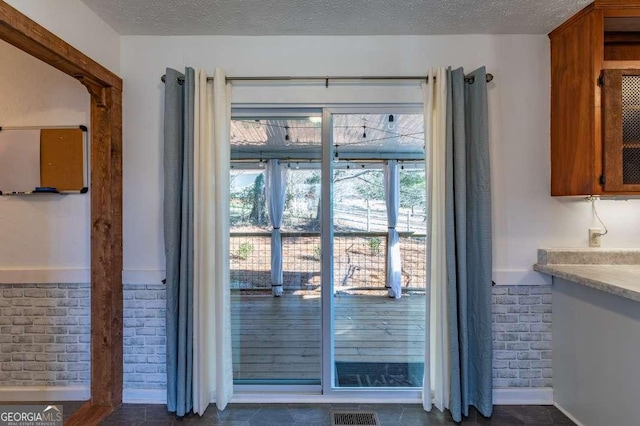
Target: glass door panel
[275,224]
[310,198]
[378,286]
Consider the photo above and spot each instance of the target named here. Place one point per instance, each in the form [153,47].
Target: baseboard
[566,413]
[520,277]
[523,396]
[43,393]
[144,396]
[508,396]
[299,398]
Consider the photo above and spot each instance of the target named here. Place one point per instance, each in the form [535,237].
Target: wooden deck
[280,337]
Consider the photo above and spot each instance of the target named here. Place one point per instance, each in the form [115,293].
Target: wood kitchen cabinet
[621,129]
[595,101]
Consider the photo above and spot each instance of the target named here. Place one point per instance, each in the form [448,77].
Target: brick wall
[522,336]
[144,337]
[45,334]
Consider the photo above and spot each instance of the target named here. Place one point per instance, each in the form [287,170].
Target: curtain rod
[469,80]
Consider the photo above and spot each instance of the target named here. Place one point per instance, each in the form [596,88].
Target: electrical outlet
[594,237]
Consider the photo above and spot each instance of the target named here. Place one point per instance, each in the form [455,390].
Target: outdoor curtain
[276,188]
[196,226]
[392,197]
[459,204]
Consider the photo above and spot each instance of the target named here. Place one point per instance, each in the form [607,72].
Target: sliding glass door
[328,250]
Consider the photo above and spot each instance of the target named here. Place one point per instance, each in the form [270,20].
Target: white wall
[41,231]
[45,238]
[525,216]
[75,23]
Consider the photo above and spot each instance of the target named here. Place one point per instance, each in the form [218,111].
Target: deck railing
[360,260]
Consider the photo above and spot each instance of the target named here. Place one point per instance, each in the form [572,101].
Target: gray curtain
[392,198]
[178,236]
[468,243]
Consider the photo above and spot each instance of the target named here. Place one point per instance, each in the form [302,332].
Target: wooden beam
[105,89]
[116,245]
[29,36]
[106,250]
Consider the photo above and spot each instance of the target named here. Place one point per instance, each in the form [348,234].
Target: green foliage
[371,185]
[258,198]
[374,246]
[313,179]
[245,198]
[244,250]
[317,252]
[412,188]
[368,184]
[289,196]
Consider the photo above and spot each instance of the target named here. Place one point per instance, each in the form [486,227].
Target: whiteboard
[19,160]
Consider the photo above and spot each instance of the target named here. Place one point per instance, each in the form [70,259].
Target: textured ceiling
[334,17]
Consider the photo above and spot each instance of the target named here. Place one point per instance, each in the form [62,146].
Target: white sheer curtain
[392,197]
[276,188]
[436,379]
[212,363]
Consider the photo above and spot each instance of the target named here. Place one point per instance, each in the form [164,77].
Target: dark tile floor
[319,414]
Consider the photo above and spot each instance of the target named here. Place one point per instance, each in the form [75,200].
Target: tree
[258,214]
[367,184]
[412,189]
[371,185]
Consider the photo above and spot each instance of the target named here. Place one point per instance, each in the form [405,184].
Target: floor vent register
[358,418]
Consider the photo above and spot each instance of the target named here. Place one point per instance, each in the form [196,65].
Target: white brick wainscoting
[522,337]
[45,342]
[45,335]
[145,362]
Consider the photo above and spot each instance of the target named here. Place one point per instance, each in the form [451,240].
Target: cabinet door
[621,130]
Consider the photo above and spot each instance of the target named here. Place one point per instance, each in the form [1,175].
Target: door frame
[326,392]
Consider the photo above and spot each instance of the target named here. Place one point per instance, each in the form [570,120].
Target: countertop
[612,271]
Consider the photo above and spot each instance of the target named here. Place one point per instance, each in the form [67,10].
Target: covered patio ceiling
[355,136]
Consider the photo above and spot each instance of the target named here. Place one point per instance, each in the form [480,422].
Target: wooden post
[106,250]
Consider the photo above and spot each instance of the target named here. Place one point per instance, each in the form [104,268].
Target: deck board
[280,337]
